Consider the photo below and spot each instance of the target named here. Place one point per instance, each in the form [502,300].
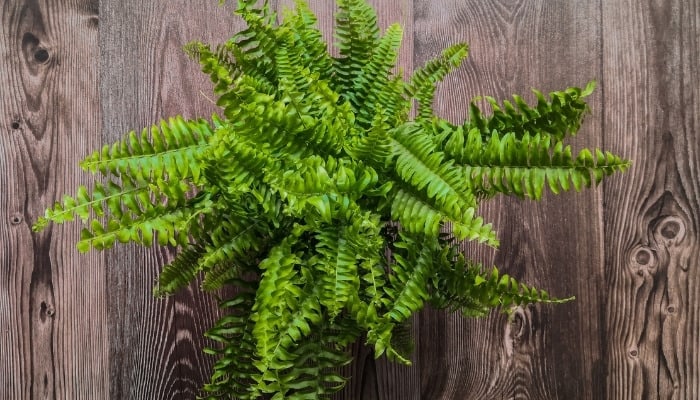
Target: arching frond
[558,117]
[522,165]
[422,85]
[374,77]
[170,150]
[474,291]
[308,41]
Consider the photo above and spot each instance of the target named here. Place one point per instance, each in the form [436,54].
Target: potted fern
[333,212]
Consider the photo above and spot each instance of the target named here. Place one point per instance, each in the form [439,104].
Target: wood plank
[155,345]
[652,115]
[555,244]
[53,340]
[373,379]
[380,378]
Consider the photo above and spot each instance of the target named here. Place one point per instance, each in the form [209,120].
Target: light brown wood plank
[155,344]
[53,338]
[545,352]
[652,115]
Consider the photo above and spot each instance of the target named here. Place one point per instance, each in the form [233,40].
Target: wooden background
[77,73]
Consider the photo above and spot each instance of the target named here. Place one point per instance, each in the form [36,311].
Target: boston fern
[334,213]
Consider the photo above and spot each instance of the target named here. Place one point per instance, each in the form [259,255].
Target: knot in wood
[41,56]
[643,259]
[47,310]
[16,219]
[670,231]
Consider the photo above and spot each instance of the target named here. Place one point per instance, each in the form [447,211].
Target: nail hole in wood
[15,125]
[41,56]
[671,309]
[16,219]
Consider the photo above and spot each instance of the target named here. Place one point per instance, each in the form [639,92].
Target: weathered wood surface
[53,319]
[75,74]
[545,352]
[155,344]
[652,246]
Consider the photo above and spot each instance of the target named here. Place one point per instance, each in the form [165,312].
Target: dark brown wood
[86,326]
[53,320]
[542,352]
[652,226]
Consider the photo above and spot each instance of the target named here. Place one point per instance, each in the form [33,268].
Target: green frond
[308,41]
[411,270]
[401,342]
[168,224]
[357,34]
[431,191]
[235,165]
[302,93]
[559,116]
[375,146]
[366,96]
[472,290]
[423,83]
[125,201]
[294,78]
[236,242]
[248,53]
[255,46]
[418,163]
[524,165]
[293,125]
[315,176]
[177,274]
[314,362]
[234,371]
[336,263]
[171,150]
[406,293]
[416,215]
[219,64]
[222,254]
[281,303]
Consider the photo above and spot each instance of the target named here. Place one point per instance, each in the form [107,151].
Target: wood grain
[86,326]
[155,344]
[555,244]
[652,115]
[53,338]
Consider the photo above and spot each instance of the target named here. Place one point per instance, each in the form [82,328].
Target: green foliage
[333,213]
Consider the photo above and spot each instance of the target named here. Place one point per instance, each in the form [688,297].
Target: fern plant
[334,213]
